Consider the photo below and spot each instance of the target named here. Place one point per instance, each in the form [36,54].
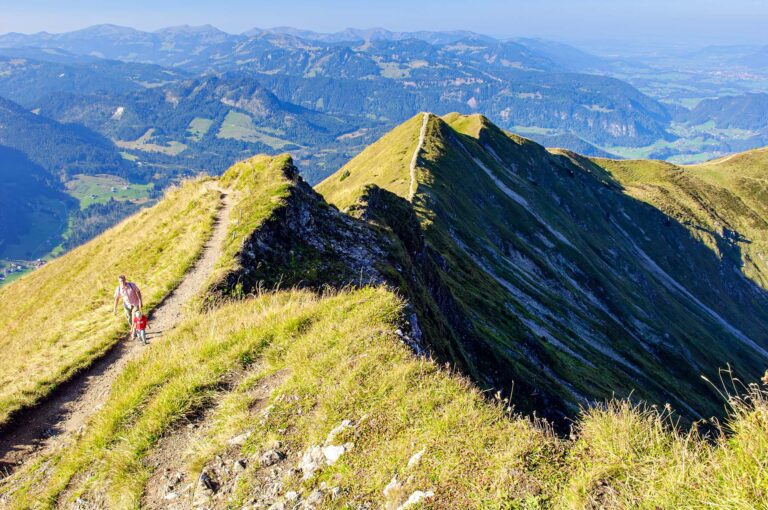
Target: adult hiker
[130,294]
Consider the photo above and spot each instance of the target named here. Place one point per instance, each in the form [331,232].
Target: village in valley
[10,270]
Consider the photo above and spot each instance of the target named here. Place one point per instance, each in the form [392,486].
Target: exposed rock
[416,458]
[315,497]
[416,498]
[271,457]
[332,453]
[239,440]
[312,460]
[207,482]
[335,432]
[393,487]
[305,233]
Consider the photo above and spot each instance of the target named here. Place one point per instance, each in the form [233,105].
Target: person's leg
[128,309]
[143,336]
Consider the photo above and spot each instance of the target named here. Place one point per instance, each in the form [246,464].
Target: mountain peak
[191,30]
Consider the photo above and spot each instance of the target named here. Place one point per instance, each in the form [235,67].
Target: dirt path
[415,158]
[51,423]
[172,487]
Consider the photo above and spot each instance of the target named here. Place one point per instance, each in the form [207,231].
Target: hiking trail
[56,420]
[415,158]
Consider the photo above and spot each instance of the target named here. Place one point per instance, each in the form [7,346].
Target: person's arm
[133,326]
[117,300]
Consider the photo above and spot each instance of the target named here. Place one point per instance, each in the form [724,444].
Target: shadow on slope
[552,283]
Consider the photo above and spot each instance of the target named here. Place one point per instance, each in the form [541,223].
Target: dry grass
[58,319]
[391,156]
[343,361]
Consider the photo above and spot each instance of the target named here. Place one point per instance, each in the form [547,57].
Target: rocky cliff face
[306,242]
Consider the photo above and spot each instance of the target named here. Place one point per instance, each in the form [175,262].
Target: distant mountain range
[157,106]
[390,75]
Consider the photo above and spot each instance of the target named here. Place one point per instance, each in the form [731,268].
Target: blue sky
[693,21]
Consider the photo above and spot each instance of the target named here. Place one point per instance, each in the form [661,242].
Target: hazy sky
[695,21]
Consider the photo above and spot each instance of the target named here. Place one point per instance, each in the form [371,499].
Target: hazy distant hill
[390,76]
[62,150]
[33,209]
[748,111]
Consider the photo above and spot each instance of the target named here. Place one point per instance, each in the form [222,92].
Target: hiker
[139,326]
[130,294]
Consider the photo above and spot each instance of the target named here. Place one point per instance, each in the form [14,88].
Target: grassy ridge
[57,319]
[551,260]
[390,157]
[343,361]
[723,202]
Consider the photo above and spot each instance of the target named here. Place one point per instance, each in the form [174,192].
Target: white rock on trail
[335,432]
[312,460]
[239,440]
[415,498]
[416,458]
[392,487]
[332,453]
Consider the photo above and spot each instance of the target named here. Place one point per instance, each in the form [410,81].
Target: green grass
[14,276]
[129,156]
[144,143]
[69,300]
[198,128]
[390,157]
[97,189]
[342,361]
[393,70]
[240,126]
[727,193]
[520,251]
[339,357]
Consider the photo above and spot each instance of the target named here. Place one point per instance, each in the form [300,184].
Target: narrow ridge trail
[50,424]
[415,158]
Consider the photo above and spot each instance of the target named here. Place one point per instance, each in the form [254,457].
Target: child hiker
[139,326]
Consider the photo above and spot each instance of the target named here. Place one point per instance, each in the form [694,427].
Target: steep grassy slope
[58,319]
[71,297]
[724,202]
[549,277]
[261,383]
[295,397]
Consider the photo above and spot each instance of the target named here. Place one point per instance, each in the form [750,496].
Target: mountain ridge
[324,397]
[581,288]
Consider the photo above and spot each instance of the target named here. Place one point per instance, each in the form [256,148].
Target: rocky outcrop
[307,243]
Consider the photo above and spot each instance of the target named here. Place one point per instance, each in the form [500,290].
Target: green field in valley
[198,128]
[239,126]
[144,143]
[98,189]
